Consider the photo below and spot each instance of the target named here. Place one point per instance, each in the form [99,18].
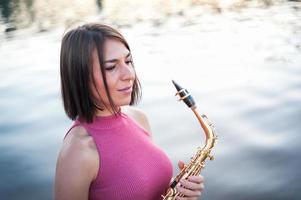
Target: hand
[191,187]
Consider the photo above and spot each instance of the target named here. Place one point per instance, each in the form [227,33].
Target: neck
[106,112]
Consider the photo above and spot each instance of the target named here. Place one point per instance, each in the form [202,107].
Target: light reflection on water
[242,67]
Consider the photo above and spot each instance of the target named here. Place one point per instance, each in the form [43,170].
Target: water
[239,59]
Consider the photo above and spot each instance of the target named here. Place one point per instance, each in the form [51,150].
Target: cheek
[100,92]
[112,80]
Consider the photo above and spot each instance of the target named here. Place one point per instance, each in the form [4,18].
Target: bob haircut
[76,70]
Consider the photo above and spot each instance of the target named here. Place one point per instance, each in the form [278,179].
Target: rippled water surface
[241,60]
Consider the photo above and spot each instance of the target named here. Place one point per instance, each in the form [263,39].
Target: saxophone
[197,162]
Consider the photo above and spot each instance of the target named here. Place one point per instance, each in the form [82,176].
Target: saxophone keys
[211,157]
[202,166]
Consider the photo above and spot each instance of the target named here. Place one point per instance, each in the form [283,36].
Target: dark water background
[241,60]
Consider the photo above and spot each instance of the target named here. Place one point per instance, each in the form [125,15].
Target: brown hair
[76,69]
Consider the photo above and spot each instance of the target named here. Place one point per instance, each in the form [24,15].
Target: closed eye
[128,62]
[110,68]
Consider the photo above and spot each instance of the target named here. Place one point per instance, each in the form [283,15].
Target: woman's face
[120,74]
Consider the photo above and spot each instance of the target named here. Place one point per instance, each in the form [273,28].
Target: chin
[124,102]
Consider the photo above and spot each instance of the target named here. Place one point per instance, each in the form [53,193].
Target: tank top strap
[75,123]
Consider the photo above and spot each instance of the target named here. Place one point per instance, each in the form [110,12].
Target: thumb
[181,164]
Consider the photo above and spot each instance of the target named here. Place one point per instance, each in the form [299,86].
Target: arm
[77,166]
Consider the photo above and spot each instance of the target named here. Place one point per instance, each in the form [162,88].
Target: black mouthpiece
[178,87]
[184,95]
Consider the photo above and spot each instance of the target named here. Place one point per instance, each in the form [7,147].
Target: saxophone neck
[208,128]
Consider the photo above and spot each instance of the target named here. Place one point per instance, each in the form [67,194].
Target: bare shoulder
[77,165]
[80,143]
[139,116]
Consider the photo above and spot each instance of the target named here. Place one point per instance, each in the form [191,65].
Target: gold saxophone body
[197,162]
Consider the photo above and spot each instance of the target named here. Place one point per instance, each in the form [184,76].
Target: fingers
[191,188]
[196,179]
[185,198]
[181,164]
[187,192]
[193,183]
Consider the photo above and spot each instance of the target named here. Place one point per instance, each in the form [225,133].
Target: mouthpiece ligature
[184,95]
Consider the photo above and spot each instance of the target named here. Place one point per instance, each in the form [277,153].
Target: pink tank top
[131,166]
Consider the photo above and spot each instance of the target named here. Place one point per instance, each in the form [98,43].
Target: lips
[126,89]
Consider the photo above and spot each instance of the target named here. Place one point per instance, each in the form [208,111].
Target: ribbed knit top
[131,166]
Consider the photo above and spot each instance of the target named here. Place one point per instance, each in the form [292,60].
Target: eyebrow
[115,59]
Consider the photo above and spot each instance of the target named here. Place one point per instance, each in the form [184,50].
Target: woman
[108,153]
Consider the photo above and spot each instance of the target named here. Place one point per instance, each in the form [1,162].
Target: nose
[128,72]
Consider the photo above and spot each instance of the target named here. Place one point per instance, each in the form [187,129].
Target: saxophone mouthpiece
[184,95]
[177,86]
